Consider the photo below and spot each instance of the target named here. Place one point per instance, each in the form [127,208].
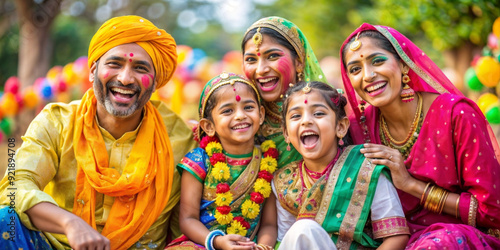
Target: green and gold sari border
[409,62]
[330,186]
[356,206]
[287,33]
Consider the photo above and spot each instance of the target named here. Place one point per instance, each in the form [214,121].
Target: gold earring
[300,76]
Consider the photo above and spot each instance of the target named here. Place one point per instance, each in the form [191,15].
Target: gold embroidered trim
[409,62]
[472,211]
[242,184]
[390,226]
[282,180]
[353,212]
[330,186]
[291,34]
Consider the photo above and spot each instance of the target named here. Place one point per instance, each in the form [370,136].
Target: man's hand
[82,236]
[50,218]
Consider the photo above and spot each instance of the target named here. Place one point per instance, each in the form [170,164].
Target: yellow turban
[158,43]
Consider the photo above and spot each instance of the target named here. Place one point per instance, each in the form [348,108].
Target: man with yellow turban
[100,173]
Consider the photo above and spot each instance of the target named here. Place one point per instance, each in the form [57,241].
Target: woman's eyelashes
[379,60]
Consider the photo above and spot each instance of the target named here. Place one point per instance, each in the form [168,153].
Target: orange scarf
[141,191]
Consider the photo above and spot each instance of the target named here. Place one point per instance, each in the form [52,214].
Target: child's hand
[233,241]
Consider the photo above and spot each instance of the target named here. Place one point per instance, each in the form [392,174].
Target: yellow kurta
[46,161]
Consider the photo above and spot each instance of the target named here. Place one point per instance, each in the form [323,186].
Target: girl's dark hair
[380,40]
[332,97]
[212,101]
[273,34]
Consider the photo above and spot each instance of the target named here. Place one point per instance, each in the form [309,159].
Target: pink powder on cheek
[106,74]
[248,73]
[285,68]
[145,81]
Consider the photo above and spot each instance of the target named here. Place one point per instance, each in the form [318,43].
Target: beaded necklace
[251,207]
[304,171]
[405,146]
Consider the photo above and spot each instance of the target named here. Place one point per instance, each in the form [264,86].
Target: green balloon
[6,126]
[472,81]
[493,115]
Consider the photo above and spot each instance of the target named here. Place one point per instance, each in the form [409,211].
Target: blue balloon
[196,56]
[47,92]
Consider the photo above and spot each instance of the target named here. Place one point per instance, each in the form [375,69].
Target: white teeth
[267,79]
[241,126]
[309,133]
[123,91]
[375,87]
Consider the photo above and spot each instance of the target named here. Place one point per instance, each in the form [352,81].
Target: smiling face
[374,73]
[272,68]
[312,127]
[123,81]
[235,122]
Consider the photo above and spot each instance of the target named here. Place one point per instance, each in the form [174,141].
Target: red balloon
[12,85]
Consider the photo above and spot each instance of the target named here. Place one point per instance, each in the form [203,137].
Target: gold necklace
[274,116]
[403,146]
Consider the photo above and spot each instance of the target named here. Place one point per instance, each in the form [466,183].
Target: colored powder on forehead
[130,60]
[131,54]
[145,81]
[125,55]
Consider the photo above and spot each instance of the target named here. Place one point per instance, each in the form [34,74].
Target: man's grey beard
[103,98]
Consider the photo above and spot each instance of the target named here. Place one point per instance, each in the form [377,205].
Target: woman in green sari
[276,55]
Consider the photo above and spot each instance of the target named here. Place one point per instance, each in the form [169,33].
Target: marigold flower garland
[250,208]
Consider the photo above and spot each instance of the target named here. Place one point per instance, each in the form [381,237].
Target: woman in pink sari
[439,147]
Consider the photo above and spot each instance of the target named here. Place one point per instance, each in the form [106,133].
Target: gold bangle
[436,199]
[264,247]
[423,194]
[443,203]
[456,207]
[428,198]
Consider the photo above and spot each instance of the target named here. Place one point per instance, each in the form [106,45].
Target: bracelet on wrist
[209,240]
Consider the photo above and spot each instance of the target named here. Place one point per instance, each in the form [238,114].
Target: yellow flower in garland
[237,228]
[267,144]
[250,209]
[213,147]
[223,219]
[220,171]
[262,186]
[268,163]
[224,199]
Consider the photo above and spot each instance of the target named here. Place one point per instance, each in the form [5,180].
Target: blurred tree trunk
[459,60]
[35,20]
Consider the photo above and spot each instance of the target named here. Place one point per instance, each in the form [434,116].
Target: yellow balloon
[496,27]
[9,104]
[69,75]
[488,71]
[53,73]
[177,99]
[485,100]
[30,98]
